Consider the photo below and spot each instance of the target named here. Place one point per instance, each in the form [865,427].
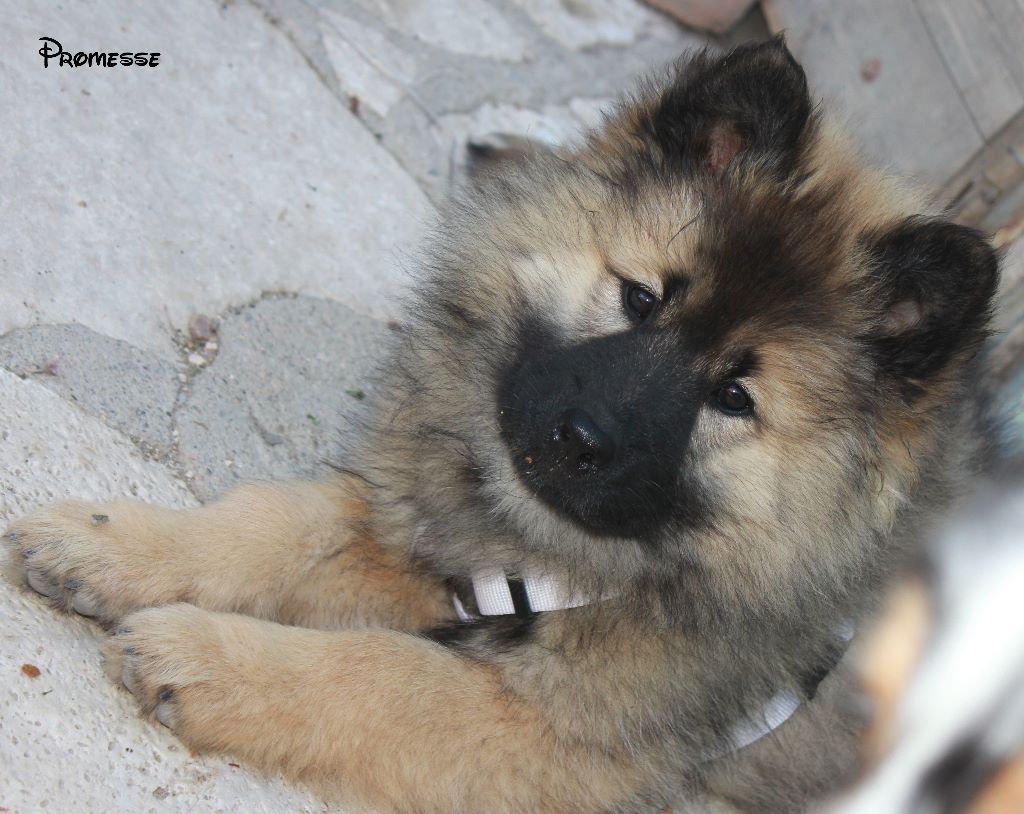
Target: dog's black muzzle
[598,430]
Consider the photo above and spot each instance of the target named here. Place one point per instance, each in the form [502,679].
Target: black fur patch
[951,273]
[812,678]
[758,91]
[951,784]
[488,632]
[769,258]
[640,388]
[451,635]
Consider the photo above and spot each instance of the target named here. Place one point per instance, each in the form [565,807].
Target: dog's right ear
[933,283]
[752,103]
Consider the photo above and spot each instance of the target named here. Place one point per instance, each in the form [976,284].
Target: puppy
[665,414]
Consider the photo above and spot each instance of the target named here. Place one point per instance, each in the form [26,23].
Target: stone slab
[969,40]
[51,450]
[580,24]
[290,379]
[131,390]
[189,199]
[410,90]
[874,62]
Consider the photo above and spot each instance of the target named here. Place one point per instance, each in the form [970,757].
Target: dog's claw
[83,605]
[41,584]
[163,714]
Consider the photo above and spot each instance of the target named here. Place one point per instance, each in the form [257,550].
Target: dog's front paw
[195,671]
[64,551]
[167,658]
[95,559]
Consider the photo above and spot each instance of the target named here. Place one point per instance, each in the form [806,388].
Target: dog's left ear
[751,102]
[933,282]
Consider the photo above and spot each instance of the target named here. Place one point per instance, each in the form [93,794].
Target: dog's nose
[585,445]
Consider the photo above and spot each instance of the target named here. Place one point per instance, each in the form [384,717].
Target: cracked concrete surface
[275,174]
[290,378]
[146,195]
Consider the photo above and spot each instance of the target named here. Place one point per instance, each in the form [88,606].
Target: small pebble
[200,328]
[196,360]
[100,519]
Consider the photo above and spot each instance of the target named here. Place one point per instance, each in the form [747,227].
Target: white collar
[497,595]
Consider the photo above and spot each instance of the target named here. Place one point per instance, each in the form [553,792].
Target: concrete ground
[201,263]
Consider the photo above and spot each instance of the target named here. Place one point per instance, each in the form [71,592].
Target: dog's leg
[300,553]
[391,718]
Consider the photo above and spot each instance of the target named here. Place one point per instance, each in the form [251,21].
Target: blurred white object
[960,718]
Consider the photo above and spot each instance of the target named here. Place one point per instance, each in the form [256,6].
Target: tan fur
[298,553]
[1005,793]
[363,706]
[887,660]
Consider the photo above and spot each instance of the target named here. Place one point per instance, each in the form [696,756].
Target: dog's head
[710,331]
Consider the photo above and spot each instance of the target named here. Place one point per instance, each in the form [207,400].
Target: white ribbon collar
[497,595]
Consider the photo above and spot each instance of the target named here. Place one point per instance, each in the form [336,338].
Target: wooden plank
[972,49]
[1008,18]
[908,113]
[1005,352]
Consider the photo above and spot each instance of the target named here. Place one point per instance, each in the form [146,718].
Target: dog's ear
[933,282]
[751,102]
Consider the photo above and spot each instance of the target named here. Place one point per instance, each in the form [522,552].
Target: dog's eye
[640,302]
[732,399]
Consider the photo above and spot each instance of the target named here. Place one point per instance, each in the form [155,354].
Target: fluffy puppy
[664,415]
